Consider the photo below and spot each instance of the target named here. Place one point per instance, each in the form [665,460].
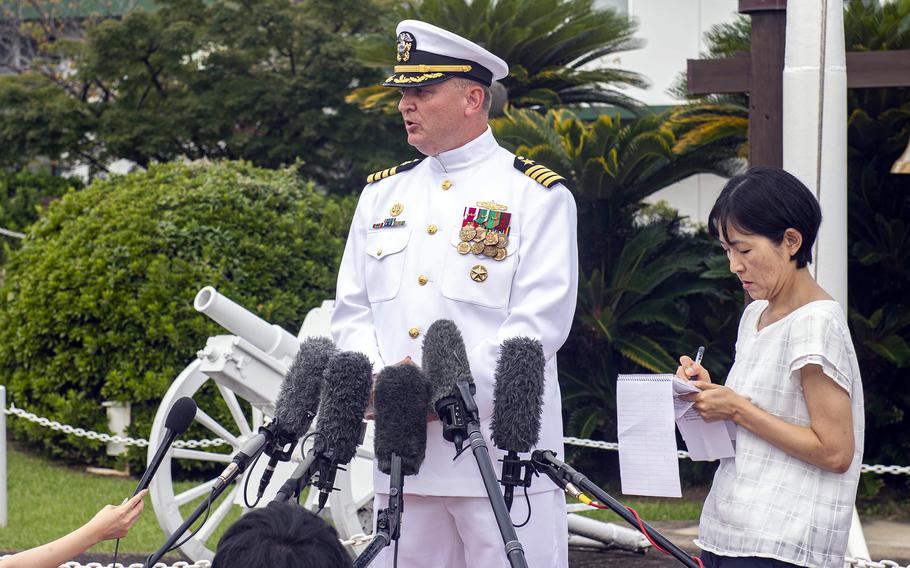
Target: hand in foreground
[370,412]
[116,521]
[715,402]
[689,370]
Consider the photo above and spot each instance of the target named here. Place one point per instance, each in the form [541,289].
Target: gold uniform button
[432,229]
[446,185]
[422,280]
[413,332]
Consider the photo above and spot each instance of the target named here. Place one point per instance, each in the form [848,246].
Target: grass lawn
[47,500]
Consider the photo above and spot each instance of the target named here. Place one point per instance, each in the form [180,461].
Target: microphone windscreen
[298,399]
[345,393]
[401,398]
[518,394]
[444,360]
[181,415]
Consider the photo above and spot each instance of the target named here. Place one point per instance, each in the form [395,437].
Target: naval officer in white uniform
[471,233]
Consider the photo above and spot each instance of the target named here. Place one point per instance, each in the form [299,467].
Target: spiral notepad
[647,442]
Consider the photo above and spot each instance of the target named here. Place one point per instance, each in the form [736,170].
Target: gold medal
[491,238]
[503,241]
[490,251]
[479,273]
[463,247]
[477,248]
[467,233]
[480,234]
[396,209]
[501,254]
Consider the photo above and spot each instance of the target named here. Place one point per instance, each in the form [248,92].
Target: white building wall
[673,31]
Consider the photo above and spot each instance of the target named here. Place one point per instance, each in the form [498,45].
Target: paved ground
[886,539]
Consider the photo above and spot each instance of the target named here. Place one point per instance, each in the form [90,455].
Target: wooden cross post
[760,73]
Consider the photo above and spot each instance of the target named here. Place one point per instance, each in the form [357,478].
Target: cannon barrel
[270,338]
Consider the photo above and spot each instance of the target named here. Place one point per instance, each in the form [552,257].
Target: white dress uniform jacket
[397,278]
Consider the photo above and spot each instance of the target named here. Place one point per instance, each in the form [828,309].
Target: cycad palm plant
[556,49]
[640,271]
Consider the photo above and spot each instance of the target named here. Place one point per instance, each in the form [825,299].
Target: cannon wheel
[349,508]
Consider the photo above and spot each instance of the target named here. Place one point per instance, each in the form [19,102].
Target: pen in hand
[700,354]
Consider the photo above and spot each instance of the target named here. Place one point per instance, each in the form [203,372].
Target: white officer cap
[428,54]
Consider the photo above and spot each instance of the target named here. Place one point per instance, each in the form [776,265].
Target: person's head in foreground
[766,221]
[444,82]
[281,535]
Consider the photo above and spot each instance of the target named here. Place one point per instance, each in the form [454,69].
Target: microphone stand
[571,480]
[465,412]
[230,473]
[299,479]
[388,520]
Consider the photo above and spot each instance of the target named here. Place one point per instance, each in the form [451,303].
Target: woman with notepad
[794,390]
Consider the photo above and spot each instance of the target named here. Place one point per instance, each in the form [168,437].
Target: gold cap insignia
[405,43]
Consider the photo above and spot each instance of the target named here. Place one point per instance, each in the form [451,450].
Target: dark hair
[281,535]
[767,201]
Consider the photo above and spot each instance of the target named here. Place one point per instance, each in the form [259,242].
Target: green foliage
[545,42]
[97,304]
[649,288]
[22,196]
[258,80]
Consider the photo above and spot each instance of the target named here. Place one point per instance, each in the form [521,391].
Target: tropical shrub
[97,304]
[650,287]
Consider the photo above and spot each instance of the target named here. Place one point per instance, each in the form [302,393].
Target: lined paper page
[647,439]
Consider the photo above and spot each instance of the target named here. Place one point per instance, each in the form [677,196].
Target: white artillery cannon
[247,369]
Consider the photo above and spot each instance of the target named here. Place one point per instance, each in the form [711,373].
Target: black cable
[528,499]
[395,559]
[246,484]
[116,550]
[208,509]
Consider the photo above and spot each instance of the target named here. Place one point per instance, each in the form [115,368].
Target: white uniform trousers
[461,532]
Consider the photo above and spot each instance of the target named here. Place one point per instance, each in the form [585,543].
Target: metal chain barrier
[865,468]
[861,563]
[178,564]
[83,433]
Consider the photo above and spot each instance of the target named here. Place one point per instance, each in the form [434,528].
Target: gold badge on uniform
[396,209]
[479,273]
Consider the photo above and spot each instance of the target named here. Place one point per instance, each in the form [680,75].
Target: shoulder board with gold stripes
[541,174]
[382,174]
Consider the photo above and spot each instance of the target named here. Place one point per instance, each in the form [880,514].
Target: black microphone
[401,397]
[178,420]
[298,401]
[517,408]
[445,362]
[346,387]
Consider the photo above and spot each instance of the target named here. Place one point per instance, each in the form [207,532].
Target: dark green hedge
[97,304]
[22,196]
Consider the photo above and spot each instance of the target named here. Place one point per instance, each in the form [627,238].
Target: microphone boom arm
[575,483]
